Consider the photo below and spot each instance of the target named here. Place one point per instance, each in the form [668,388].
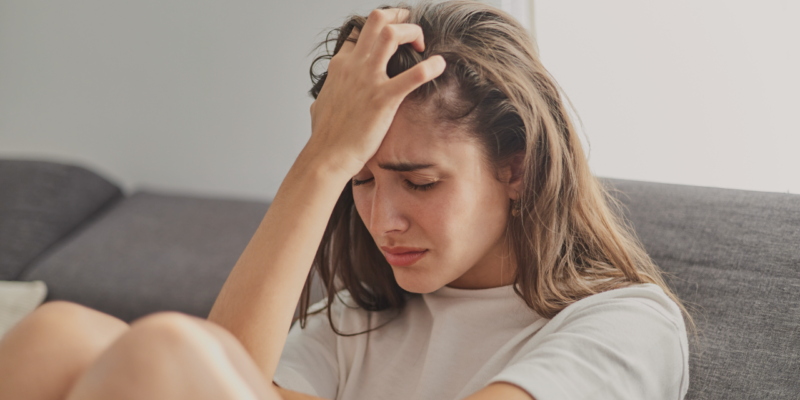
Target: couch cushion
[41,203]
[734,257]
[152,252]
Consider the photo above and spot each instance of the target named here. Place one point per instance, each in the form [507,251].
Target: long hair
[565,231]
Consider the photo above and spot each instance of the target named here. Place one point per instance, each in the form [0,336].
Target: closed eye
[406,182]
[421,188]
[357,182]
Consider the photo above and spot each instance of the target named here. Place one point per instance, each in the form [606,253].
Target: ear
[512,175]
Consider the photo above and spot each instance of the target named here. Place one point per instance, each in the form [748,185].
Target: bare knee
[45,352]
[170,351]
[56,314]
[64,323]
[166,320]
[67,313]
[201,336]
[65,335]
[167,329]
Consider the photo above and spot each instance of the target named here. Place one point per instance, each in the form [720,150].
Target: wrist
[322,171]
[329,165]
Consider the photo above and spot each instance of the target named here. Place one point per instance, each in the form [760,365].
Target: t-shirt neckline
[495,292]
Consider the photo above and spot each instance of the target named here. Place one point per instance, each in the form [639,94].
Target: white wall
[185,95]
[694,92]
[210,97]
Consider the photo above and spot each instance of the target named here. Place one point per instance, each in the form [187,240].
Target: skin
[80,354]
[67,351]
[455,208]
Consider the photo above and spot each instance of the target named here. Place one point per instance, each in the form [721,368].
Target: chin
[416,282]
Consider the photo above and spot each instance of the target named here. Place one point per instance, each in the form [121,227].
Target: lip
[403,256]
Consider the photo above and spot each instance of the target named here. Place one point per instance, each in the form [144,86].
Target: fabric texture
[17,300]
[40,204]
[734,257]
[627,343]
[150,253]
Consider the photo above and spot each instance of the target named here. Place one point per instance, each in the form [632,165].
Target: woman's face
[434,208]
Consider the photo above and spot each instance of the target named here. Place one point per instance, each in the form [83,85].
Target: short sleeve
[308,363]
[626,343]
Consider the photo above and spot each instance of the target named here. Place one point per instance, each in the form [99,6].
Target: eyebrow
[404,167]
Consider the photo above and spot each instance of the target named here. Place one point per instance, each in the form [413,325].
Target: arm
[287,394]
[498,390]
[257,302]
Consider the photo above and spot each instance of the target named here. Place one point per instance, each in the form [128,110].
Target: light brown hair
[566,233]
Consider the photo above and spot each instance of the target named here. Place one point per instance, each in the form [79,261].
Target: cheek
[471,218]
[433,217]
[363,204]
[444,216]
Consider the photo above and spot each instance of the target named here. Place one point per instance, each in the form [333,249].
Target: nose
[387,213]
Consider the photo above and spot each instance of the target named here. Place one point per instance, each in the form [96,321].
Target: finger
[349,43]
[375,22]
[392,36]
[416,76]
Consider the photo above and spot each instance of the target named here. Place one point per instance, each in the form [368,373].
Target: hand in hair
[350,118]
[358,101]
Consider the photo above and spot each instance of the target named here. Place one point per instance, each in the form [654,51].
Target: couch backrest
[734,257]
[151,252]
[41,203]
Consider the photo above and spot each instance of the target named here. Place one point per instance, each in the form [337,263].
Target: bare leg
[237,354]
[173,356]
[43,355]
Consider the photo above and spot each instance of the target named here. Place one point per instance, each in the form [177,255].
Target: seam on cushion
[114,200]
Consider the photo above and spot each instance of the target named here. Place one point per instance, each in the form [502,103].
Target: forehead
[416,135]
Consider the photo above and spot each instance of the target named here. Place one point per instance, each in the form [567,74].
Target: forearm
[348,126]
[258,299]
[292,395]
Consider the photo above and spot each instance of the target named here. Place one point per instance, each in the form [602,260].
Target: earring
[514,209]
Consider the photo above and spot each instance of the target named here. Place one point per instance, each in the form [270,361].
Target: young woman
[446,205]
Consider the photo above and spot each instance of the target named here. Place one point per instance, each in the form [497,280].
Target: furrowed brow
[404,167]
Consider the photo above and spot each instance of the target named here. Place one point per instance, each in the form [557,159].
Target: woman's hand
[351,116]
[358,101]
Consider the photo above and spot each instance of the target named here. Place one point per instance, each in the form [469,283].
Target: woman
[471,254]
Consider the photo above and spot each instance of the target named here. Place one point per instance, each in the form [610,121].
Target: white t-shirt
[626,343]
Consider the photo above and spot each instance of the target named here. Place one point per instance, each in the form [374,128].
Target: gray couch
[733,256]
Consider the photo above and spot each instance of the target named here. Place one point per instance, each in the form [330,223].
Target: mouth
[403,256]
